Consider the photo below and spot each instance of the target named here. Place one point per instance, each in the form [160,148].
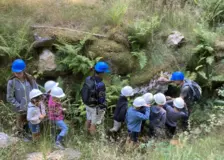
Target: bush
[141,31]
[213,11]
[70,57]
[15,44]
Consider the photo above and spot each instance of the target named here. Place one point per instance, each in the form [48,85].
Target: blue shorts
[35,128]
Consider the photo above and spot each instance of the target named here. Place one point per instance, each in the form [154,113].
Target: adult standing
[190,92]
[94,96]
[18,89]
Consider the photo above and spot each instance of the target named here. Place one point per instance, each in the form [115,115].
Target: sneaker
[58,145]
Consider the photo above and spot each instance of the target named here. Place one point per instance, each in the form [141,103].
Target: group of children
[48,104]
[34,106]
[162,116]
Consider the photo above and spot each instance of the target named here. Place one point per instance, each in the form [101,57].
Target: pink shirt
[55,112]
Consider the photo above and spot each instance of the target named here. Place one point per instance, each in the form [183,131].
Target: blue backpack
[196,89]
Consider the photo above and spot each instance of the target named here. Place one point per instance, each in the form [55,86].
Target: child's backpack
[89,92]
[196,89]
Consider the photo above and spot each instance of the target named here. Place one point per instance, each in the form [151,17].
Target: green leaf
[198,67]
[210,60]
[202,74]
[209,49]
[219,78]
[141,56]
[201,59]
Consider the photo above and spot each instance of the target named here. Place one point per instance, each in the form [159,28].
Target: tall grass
[116,12]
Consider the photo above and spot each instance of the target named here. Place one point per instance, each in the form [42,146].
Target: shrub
[141,31]
[70,57]
[213,11]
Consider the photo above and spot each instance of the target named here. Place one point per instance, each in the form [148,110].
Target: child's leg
[170,131]
[88,118]
[134,137]
[64,130]
[116,127]
[35,129]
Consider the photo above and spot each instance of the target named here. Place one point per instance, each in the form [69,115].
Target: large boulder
[46,61]
[6,140]
[114,53]
[159,83]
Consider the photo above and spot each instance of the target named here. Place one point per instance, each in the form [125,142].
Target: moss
[116,54]
[145,75]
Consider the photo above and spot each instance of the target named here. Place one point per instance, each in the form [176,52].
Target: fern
[14,45]
[142,58]
[72,58]
[141,31]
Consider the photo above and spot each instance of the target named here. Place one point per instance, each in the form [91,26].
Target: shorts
[35,128]
[93,116]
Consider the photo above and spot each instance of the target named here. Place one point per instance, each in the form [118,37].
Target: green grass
[205,147]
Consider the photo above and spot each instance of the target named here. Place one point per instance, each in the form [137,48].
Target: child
[35,113]
[157,116]
[48,87]
[134,118]
[174,114]
[56,114]
[148,97]
[121,108]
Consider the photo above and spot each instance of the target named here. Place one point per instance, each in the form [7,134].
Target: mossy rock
[122,62]
[65,35]
[147,73]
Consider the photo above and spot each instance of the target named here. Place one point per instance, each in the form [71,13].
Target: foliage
[203,59]
[141,56]
[141,31]
[15,44]
[221,91]
[72,58]
[113,91]
[76,112]
[7,116]
[213,11]
[117,12]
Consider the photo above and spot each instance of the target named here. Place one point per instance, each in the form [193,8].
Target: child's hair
[36,99]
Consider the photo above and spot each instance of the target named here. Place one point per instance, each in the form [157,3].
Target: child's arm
[144,116]
[43,109]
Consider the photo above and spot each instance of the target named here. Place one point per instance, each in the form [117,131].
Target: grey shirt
[173,116]
[18,93]
[187,94]
[34,112]
[157,117]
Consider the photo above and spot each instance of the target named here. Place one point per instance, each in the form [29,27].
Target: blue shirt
[134,119]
